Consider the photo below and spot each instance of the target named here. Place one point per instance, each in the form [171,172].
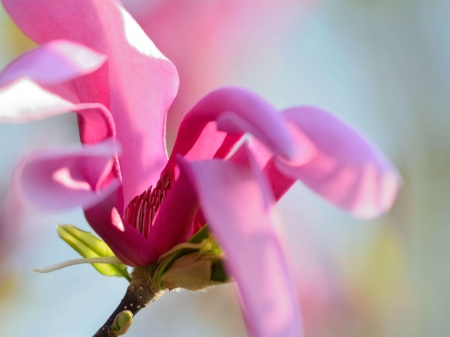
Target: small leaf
[88,245]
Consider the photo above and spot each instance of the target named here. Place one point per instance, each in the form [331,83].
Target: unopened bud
[122,322]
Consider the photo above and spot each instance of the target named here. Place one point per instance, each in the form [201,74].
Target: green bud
[122,322]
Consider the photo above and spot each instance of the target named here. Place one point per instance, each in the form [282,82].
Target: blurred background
[383,65]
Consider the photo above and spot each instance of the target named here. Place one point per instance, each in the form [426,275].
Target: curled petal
[138,85]
[235,111]
[53,63]
[62,179]
[348,170]
[236,201]
[95,120]
[27,101]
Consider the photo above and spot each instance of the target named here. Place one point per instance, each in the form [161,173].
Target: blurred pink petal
[136,69]
[42,75]
[349,170]
[40,103]
[61,179]
[237,202]
[52,63]
[95,121]
[11,212]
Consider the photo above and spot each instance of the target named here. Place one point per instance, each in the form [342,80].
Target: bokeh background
[383,65]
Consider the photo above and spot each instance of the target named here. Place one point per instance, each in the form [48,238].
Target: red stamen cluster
[141,211]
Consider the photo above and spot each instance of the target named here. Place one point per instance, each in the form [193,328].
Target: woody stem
[140,293]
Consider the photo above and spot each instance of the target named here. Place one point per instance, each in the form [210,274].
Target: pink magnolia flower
[96,61]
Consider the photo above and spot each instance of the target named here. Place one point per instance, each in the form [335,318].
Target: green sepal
[168,262]
[203,243]
[88,245]
[206,239]
[218,272]
[201,235]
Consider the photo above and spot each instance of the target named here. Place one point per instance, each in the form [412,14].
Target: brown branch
[140,293]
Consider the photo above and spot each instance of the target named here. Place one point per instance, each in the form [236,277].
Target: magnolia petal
[236,201]
[53,63]
[174,222]
[235,111]
[27,101]
[348,170]
[95,120]
[138,85]
[61,179]
[280,183]
[127,243]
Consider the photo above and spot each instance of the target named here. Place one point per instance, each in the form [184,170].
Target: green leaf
[88,245]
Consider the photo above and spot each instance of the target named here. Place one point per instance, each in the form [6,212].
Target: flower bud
[122,322]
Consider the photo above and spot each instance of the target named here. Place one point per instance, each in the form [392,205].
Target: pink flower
[95,60]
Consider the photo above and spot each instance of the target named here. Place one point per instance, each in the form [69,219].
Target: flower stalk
[140,293]
[194,265]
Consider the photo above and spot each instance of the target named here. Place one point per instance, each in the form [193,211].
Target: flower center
[141,211]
